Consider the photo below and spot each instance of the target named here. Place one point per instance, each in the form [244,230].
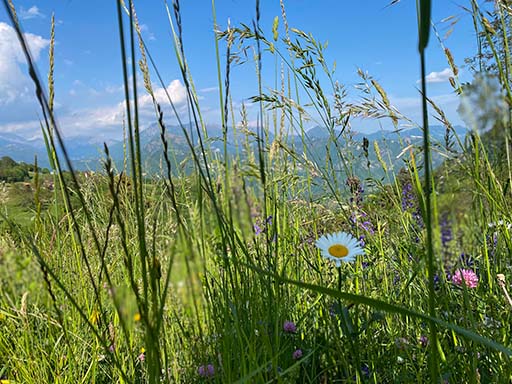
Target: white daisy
[339,247]
[500,223]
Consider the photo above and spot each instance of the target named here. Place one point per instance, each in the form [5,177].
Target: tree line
[11,171]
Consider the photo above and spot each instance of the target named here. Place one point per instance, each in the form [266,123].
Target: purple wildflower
[465,276]
[408,197]
[206,370]
[446,231]
[297,354]
[289,327]
[353,219]
[368,227]
[264,225]
[437,280]
[257,229]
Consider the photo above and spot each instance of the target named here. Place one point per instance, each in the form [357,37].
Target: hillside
[87,154]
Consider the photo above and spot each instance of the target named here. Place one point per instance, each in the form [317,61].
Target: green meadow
[262,260]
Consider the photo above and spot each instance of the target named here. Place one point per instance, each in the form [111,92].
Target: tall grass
[210,273]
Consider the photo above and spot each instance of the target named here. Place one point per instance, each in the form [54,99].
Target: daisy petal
[339,247]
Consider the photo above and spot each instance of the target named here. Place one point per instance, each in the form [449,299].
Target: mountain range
[87,153]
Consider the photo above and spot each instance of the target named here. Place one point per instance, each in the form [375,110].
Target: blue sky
[362,34]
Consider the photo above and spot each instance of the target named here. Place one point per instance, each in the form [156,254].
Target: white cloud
[108,120]
[20,112]
[22,127]
[90,119]
[439,77]
[31,13]
[145,30]
[105,120]
[176,91]
[209,89]
[15,86]
[100,121]
[114,89]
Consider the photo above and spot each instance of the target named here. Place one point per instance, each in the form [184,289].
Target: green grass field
[216,275]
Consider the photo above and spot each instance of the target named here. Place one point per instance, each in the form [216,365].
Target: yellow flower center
[338,250]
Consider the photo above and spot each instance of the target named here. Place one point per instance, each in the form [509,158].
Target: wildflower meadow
[260,255]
